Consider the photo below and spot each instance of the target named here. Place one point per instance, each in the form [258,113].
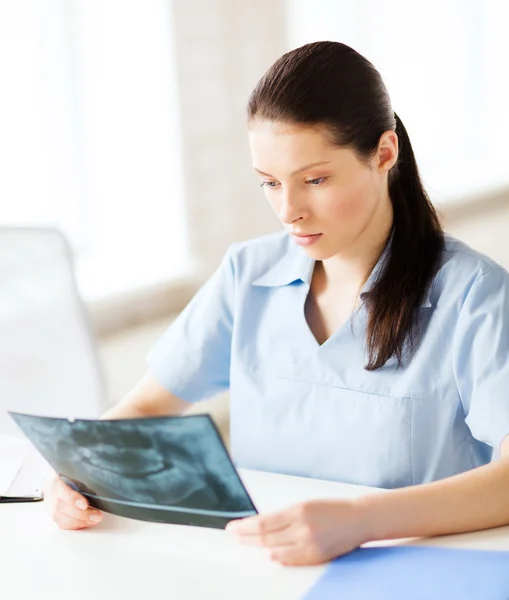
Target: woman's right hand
[69,509]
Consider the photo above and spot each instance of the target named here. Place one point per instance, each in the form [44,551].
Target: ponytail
[412,262]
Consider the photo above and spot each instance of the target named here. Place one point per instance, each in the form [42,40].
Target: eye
[269,184]
[316,182]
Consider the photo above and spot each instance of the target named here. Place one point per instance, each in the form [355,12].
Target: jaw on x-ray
[165,469]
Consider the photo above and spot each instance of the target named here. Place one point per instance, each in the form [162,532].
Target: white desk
[126,559]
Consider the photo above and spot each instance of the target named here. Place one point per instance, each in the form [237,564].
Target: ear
[387,152]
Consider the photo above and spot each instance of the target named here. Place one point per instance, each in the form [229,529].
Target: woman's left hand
[307,533]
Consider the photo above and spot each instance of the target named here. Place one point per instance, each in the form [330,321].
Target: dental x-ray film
[164,469]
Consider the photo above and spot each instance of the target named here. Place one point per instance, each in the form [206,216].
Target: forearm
[478,499]
[147,399]
[127,408]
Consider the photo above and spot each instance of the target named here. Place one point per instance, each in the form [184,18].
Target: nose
[292,208]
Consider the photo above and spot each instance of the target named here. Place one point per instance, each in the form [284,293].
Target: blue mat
[415,573]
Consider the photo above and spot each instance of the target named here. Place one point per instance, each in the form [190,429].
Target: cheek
[351,204]
[274,200]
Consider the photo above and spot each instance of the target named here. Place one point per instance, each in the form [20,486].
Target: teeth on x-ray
[165,469]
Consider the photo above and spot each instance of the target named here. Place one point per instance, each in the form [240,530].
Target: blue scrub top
[306,409]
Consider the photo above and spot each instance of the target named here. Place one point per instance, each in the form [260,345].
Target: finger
[90,515]
[260,524]
[70,496]
[288,536]
[296,556]
[66,522]
[64,504]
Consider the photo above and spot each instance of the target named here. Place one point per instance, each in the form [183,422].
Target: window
[90,139]
[444,66]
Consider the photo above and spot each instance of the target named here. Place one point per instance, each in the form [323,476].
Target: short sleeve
[192,358]
[481,357]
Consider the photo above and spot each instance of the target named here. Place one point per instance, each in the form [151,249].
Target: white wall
[221,55]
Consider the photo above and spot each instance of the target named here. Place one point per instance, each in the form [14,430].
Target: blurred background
[123,123]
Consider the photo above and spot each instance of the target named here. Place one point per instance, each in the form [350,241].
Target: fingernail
[95,518]
[81,504]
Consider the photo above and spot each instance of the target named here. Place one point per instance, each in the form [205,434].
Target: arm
[319,530]
[477,499]
[192,358]
[147,399]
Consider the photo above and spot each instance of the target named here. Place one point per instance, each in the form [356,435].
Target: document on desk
[416,572]
[164,469]
[22,468]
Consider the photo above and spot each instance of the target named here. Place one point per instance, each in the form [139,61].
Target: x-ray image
[164,469]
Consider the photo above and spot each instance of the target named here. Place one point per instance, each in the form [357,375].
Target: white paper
[22,469]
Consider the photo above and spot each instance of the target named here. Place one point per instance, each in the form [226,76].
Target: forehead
[269,134]
[285,146]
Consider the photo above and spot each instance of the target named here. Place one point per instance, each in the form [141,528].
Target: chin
[318,253]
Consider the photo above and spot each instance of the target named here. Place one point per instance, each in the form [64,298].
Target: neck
[351,268]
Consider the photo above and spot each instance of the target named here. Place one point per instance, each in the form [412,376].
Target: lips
[306,239]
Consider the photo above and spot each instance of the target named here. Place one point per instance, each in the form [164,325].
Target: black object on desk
[10,499]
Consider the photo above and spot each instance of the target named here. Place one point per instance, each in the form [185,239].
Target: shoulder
[464,269]
[461,255]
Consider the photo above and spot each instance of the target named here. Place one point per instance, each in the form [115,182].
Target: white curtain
[89,135]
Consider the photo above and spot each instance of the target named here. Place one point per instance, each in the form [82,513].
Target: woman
[360,345]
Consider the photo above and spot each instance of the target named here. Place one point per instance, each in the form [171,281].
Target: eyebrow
[305,168]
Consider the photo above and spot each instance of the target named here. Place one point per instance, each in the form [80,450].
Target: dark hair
[329,84]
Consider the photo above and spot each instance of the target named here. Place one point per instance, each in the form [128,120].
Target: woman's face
[339,201]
